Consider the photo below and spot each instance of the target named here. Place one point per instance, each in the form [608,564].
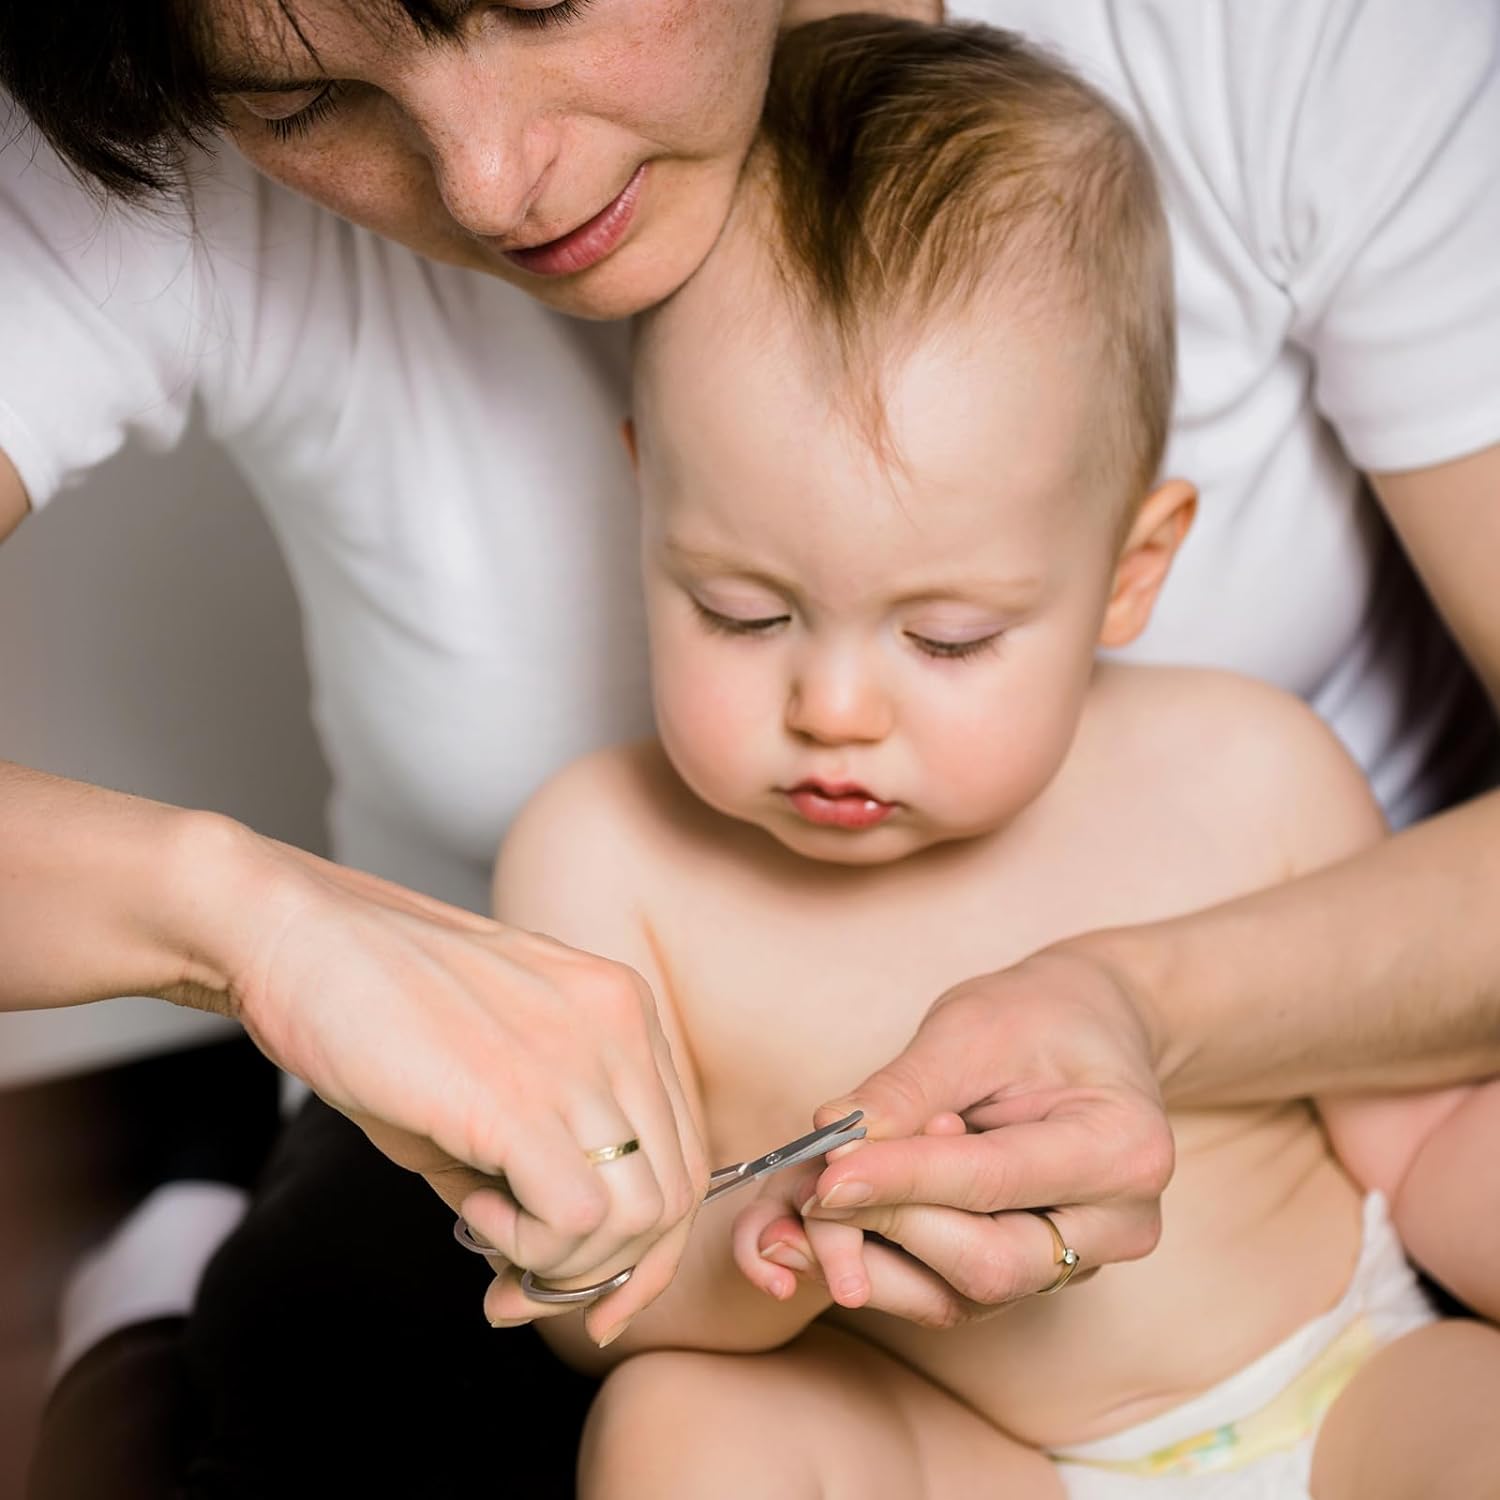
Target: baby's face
[867,659]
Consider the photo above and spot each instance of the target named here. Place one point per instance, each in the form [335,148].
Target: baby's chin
[837,846]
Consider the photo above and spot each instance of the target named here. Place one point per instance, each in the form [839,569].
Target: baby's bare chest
[789,997]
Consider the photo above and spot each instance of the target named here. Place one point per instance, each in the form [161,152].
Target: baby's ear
[1150,545]
[627,433]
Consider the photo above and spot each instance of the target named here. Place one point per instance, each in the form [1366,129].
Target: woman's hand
[1031,1088]
[468,1051]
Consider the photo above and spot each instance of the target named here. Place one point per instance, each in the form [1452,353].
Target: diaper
[1251,1437]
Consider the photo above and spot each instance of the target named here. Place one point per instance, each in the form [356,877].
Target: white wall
[149,641]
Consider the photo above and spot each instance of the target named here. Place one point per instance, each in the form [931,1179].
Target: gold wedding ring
[1066,1258]
[602,1154]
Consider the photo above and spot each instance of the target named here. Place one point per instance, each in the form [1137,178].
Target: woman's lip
[588,244]
[838,806]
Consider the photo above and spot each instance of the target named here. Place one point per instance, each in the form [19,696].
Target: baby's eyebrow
[1014,593]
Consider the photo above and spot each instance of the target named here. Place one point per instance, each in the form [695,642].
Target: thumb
[940,1072]
[898,1100]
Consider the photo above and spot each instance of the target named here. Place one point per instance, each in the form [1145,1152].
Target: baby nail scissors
[725,1180]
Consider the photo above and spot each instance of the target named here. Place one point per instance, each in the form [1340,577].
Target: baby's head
[897,442]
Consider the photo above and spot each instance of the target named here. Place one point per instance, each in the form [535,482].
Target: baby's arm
[1433,1155]
[584,864]
[1436,1157]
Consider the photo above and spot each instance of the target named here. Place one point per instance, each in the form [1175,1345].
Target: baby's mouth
[838,805]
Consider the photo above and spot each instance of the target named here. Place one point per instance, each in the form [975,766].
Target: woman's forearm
[106,894]
[1382,972]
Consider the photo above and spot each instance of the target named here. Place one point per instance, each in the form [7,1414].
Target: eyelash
[937,650]
[292,127]
[954,650]
[728,625]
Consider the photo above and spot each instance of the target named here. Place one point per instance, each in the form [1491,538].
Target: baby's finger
[762,1226]
[839,1249]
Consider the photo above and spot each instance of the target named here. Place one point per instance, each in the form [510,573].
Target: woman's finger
[990,1260]
[1103,1148]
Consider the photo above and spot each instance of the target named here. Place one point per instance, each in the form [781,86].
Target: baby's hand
[773,1244]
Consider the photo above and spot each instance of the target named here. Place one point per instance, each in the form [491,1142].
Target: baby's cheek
[705,728]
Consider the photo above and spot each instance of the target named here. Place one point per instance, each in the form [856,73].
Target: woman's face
[585,151]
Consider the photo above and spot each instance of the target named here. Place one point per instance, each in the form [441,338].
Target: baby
[898,447]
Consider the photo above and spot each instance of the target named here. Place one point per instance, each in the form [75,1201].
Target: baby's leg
[1418,1422]
[826,1418]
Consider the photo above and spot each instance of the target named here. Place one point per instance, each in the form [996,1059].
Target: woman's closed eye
[288,116]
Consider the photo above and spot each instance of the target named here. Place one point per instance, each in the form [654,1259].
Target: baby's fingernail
[788,1256]
[848,1195]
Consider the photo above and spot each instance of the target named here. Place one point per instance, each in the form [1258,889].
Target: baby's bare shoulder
[1235,755]
[620,803]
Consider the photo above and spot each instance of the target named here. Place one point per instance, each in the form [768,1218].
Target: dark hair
[911,165]
[119,89]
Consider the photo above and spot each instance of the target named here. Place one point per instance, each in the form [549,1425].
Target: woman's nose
[489,147]
[838,701]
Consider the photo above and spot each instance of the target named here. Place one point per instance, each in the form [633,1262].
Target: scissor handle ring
[539,1291]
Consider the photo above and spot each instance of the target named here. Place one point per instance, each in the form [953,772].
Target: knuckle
[1142,1237]
[941,1314]
[987,1274]
[640,1214]
[581,1215]
[1148,1163]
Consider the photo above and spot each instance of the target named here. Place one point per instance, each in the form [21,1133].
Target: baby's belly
[1260,1233]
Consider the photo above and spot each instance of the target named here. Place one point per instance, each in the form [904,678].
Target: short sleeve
[1392,220]
[103,322]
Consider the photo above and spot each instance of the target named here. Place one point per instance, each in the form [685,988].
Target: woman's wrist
[1130,966]
[109,894]
[216,882]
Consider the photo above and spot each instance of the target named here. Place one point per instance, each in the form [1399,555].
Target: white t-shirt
[439,456]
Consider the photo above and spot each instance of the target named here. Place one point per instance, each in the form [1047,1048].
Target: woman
[434,451]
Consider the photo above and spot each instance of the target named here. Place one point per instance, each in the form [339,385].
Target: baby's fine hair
[912,165]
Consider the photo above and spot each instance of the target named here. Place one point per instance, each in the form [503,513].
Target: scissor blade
[805,1147]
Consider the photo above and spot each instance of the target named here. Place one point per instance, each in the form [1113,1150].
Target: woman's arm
[461,1048]
[584,862]
[1388,966]
[1379,973]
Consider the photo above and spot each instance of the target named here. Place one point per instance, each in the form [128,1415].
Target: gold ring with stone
[1066,1258]
[601,1154]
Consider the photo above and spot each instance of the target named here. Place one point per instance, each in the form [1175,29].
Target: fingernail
[788,1256]
[613,1334]
[816,1208]
[852,1291]
[509,1322]
[848,1195]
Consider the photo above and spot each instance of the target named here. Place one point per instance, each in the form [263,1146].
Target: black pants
[338,1349]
